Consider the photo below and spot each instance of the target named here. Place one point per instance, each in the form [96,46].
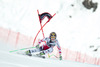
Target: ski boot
[41,55]
[28,53]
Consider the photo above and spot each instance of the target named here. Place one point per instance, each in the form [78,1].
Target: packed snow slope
[14,60]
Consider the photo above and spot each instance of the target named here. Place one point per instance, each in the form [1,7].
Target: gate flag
[41,17]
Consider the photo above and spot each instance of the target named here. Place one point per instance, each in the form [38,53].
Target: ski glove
[60,57]
[37,46]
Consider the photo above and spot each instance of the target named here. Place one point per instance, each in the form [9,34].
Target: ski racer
[50,42]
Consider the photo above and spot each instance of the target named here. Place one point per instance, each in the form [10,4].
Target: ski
[31,55]
[37,55]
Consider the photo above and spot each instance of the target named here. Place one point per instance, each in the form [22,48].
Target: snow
[76,33]
[14,60]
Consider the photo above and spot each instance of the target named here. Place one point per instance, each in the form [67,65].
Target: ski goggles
[53,37]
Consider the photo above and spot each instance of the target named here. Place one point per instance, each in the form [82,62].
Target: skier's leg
[28,52]
[46,51]
[34,50]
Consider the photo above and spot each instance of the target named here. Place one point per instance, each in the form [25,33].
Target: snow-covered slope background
[77,28]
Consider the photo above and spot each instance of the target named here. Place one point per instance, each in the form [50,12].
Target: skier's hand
[60,57]
[37,46]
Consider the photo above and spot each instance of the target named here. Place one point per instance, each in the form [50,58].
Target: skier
[50,42]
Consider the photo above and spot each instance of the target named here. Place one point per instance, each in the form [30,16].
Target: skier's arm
[59,48]
[37,46]
[44,39]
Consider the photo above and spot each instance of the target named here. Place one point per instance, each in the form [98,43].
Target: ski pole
[21,49]
[53,55]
